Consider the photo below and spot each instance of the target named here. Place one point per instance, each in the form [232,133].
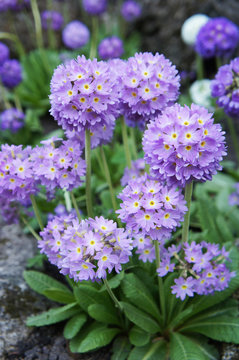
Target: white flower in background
[191,28]
[200,92]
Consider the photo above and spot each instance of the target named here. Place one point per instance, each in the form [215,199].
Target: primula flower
[111,47]
[234,197]
[84,95]
[12,119]
[191,27]
[85,250]
[75,35]
[225,88]
[4,53]
[218,37]
[94,7]
[51,19]
[130,10]
[183,144]
[200,92]
[11,73]
[137,170]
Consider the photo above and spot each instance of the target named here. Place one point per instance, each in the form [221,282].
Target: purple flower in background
[218,37]
[94,7]
[52,19]
[4,53]
[85,250]
[111,47]
[12,119]
[234,197]
[17,5]
[183,144]
[11,73]
[130,10]
[225,87]
[137,170]
[75,35]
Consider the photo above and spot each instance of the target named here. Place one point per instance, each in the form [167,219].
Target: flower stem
[218,62]
[133,139]
[7,104]
[112,295]
[188,196]
[14,38]
[235,139]
[67,200]
[37,212]
[30,228]
[160,281]
[126,143]
[199,66]
[73,199]
[95,30]
[88,173]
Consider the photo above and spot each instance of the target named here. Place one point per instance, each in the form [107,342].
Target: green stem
[17,101]
[7,104]
[134,147]
[199,66]
[108,178]
[126,143]
[36,211]
[14,38]
[112,295]
[160,280]
[218,62]
[30,228]
[67,200]
[73,199]
[188,197]
[94,35]
[50,32]
[233,134]
[88,173]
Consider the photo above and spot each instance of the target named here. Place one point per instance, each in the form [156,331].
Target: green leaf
[103,314]
[135,290]
[40,282]
[138,337]
[74,325]
[114,282]
[121,348]
[98,338]
[77,340]
[53,316]
[156,351]
[140,318]
[182,348]
[221,328]
[208,350]
[61,296]
[87,295]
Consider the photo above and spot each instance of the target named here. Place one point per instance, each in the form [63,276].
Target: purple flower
[234,197]
[4,53]
[111,47]
[183,144]
[218,37]
[12,119]
[85,250]
[11,73]
[52,19]
[75,35]
[225,87]
[130,10]
[94,7]
[137,170]
[183,287]
[84,95]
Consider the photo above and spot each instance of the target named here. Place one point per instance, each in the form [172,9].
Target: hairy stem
[73,199]
[37,212]
[160,280]
[88,173]
[188,197]
[126,143]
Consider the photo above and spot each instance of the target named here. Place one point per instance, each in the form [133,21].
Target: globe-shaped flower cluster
[218,37]
[4,53]
[110,48]
[183,144]
[75,35]
[94,7]
[12,119]
[84,95]
[131,10]
[137,169]
[11,73]
[52,20]
[85,250]
[226,88]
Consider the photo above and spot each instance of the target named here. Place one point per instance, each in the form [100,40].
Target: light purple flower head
[75,35]
[84,95]
[11,73]
[94,7]
[218,37]
[4,53]
[130,10]
[225,87]
[110,48]
[85,250]
[52,19]
[149,84]
[136,171]
[234,197]
[183,144]
[12,119]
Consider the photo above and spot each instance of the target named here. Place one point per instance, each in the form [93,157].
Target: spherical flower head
[191,27]
[84,95]
[234,197]
[85,250]
[149,84]
[110,48]
[225,88]
[4,53]
[94,7]
[11,73]
[12,119]
[75,35]
[137,170]
[131,10]
[183,144]
[200,92]
[5,5]
[150,210]
[51,19]
[218,37]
